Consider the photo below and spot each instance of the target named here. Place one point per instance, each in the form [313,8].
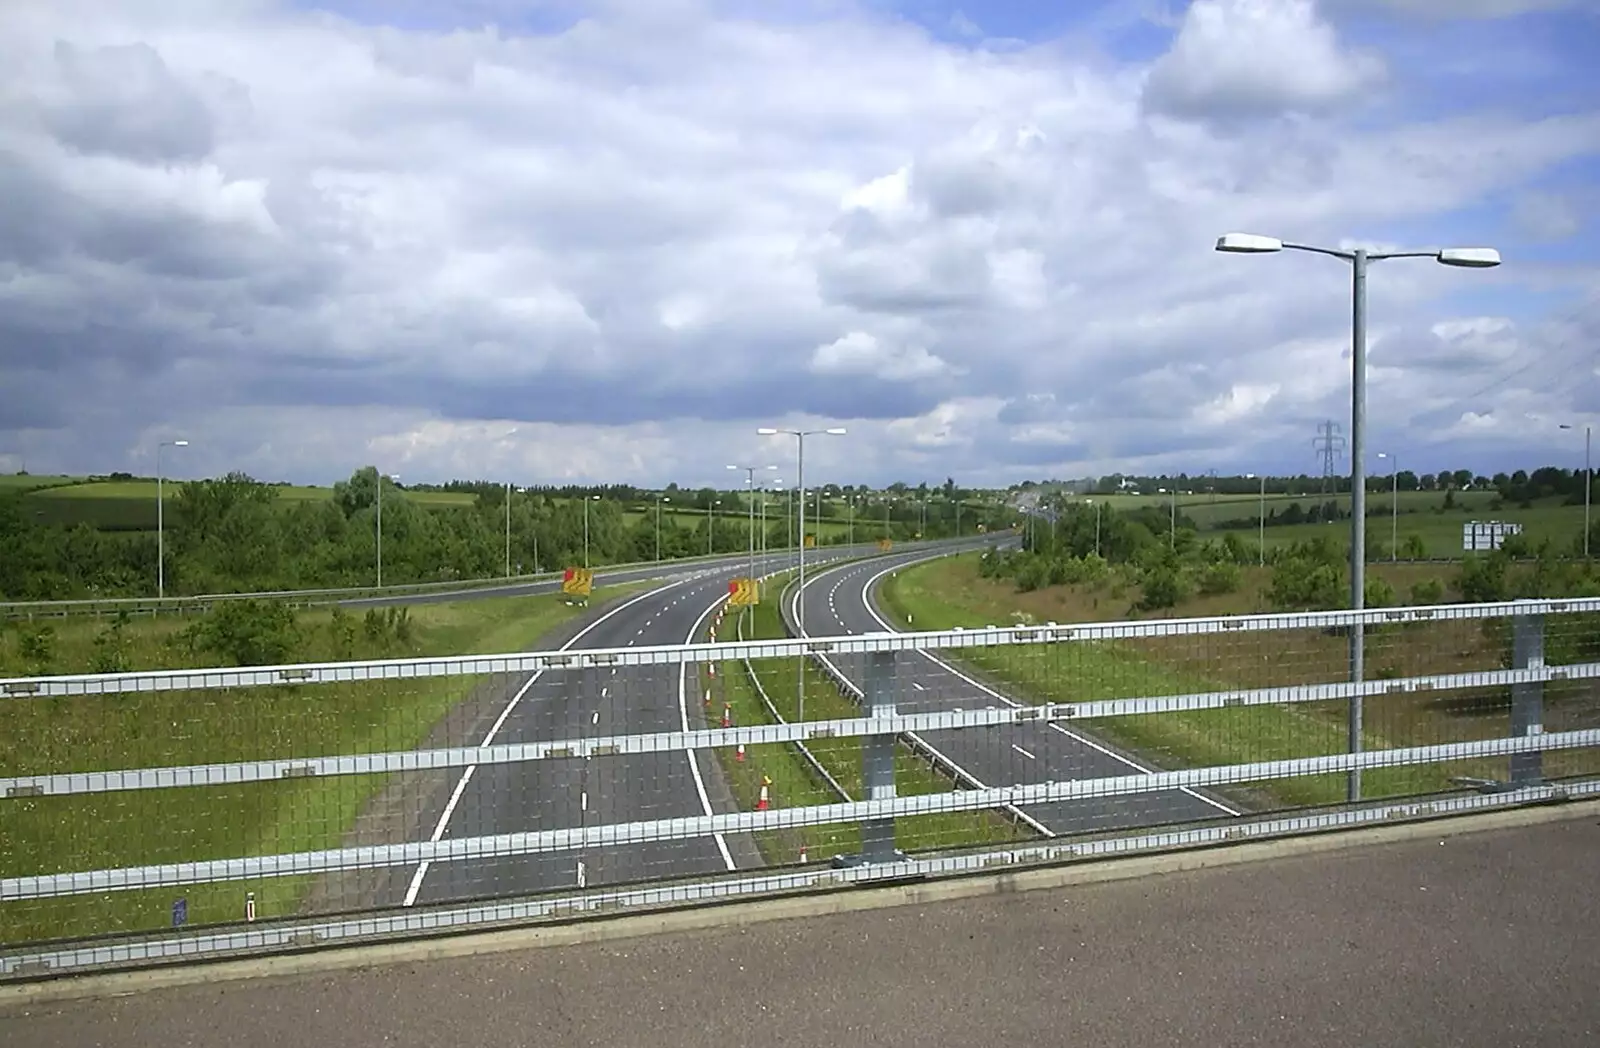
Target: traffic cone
[727,715]
[711,669]
[739,756]
[802,852]
[249,906]
[713,633]
[708,698]
[765,800]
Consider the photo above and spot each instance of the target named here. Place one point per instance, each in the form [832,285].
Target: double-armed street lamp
[750,479]
[1359,258]
[161,545]
[800,436]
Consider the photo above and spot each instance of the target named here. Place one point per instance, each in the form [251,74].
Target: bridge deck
[1445,938]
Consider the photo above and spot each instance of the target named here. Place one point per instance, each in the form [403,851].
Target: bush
[1307,579]
[1428,591]
[1162,588]
[37,644]
[1219,577]
[247,632]
[1484,579]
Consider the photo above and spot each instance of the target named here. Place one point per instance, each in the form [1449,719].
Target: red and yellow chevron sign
[885,545]
[744,592]
[577,582]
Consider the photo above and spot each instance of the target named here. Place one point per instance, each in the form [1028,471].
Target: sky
[569,242]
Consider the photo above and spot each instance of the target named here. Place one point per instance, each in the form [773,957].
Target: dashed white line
[466,776]
[1024,752]
[919,687]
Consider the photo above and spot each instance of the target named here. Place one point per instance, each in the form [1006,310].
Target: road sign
[744,592]
[885,545]
[577,582]
[811,541]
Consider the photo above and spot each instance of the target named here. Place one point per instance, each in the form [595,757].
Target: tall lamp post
[1261,520]
[750,479]
[711,522]
[659,500]
[395,477]
[1394,506]
[161,544]
[1588,486]
[1467,257]
[800,436]
[587,499]
[509,492]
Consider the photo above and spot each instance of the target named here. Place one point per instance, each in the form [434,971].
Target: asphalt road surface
[840,601]
[551,794]
[1436,942]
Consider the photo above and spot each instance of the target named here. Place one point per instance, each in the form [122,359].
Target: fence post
[1527,699]
[877,756]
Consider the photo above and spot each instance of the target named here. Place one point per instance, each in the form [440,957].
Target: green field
[951,592]
[1206,510]
[176,728]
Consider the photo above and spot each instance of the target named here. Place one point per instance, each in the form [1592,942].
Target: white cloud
[613,250]
[1251,57]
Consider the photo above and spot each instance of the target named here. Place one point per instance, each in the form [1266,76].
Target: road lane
[583,703]
[1001,756]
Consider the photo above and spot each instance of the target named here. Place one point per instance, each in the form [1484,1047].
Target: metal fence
[198,812]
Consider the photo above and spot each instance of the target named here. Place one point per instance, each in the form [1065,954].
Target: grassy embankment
[796,784]
[91,733]
[949,593]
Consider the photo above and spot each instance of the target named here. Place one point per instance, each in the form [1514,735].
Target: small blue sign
[180,912]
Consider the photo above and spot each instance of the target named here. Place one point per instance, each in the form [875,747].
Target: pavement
[1441,938]
[841,601]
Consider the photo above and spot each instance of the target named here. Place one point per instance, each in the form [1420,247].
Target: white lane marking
[584,803]
[683,714]
[466,776]
[605,693]
[596,718]
[1024,752]
[866,600]
[919,687]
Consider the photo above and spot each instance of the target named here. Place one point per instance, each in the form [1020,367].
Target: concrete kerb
[746,913]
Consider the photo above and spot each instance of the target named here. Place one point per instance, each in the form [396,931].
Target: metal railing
[183,813]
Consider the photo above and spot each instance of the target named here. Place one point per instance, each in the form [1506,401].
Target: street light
[586,501]
[161,544]
[800,436]
[1394,506]
[659,500]
[509,491]
[1588,486]
[396,478]
[1096,506]
[1261,521]
[1465,257]
[711,522]
[750,479]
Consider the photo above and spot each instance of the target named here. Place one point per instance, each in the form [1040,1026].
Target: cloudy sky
[605,240]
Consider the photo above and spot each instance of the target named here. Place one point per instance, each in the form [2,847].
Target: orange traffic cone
[765,800]
[711,669]
[708,698]
[727,715]
[802,851]
[739,755]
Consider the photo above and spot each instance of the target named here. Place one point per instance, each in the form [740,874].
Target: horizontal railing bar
[676,654]
[423,920]
[232,773]
[501,845]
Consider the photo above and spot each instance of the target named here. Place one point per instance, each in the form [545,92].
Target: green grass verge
[938,596]
[175,728]
[1439,532]
[796,783]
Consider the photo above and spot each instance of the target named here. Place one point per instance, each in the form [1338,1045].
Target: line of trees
[1520,486]
[234,534]
[1140,547]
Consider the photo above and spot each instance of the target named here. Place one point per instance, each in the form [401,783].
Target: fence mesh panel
[253,749]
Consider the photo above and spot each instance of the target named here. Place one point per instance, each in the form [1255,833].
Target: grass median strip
[156,729]
[796,783]
[950,593]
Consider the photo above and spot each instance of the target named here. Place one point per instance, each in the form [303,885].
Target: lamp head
[837,431]
[1469,257]
[767,431]
[1248,244]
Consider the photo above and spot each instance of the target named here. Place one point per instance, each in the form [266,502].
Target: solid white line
[488,739]
[866,600]
[683,713]
[1024,752]
[919,687]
